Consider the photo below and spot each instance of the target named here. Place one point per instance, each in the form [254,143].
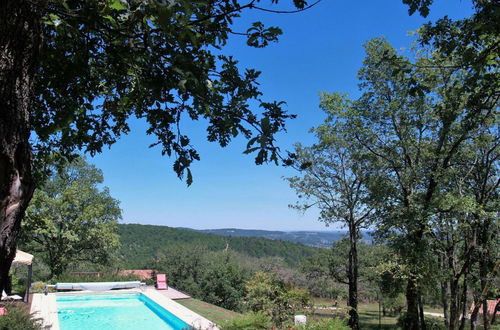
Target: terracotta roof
[142,274]
[491,306]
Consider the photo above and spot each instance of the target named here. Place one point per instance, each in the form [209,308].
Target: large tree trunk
[474,314]
[444,300]
[20,40]
[414,320]
[412,312]
[421,312]
[353,278]
[485,287]
[454,305]
[464,303]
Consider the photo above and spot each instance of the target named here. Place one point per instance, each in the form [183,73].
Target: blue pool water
[113,312]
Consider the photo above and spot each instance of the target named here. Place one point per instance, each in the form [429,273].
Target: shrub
[223,284]
[269,294]
[251,321]
[18,319]
[18,284]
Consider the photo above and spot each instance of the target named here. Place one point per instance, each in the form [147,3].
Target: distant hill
[311,238]
[141,243]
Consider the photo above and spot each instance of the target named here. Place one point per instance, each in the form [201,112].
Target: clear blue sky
[321,50]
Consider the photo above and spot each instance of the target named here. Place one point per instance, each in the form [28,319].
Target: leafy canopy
[71,219]
[104,61]
[269,294]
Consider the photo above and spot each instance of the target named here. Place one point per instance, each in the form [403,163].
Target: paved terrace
[171,293]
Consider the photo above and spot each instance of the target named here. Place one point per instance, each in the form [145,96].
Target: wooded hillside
[141,243]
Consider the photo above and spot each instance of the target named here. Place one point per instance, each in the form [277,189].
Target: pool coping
[45,307]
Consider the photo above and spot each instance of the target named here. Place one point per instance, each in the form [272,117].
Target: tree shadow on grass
[370,320]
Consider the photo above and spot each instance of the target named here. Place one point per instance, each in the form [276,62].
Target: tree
[473,45]
[267,293]
[184,265]
[223,283]
[70,219]
[335,181]
[72,72]
[414,119]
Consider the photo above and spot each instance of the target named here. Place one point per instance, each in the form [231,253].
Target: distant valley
[311,238]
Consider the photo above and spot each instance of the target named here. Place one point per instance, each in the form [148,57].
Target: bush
[432,323]
[269,294]
[223,284]
[251,321]
[18,319]
[18,284]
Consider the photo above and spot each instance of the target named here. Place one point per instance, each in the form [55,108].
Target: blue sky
[321,50]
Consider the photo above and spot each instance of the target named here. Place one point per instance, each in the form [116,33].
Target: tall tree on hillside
[466,224]
[482,186]
[473,45]
[414,118]
[72,72]
[70,219]
[335,181]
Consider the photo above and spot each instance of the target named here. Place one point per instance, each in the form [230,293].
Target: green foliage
[394,305]
[18,283]
[18,319]
[325,324]
[106,61]
[223,284]
[71,220]
[39,287]
[430,323]
[262,321]
[427,126]
[212,277]
[141,244]
[332,179]
[250,321]
[326,272]
[184,265]
[270,295]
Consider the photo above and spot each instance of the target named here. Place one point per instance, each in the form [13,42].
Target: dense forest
[311,238]
[142,243]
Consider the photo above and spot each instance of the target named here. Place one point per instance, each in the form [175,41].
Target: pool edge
[45,307]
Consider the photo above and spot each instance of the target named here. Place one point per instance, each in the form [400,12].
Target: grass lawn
[368,318]
[211,312]
[433,309]
[368,314]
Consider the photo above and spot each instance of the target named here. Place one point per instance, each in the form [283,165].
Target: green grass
[369,318]
[433,309]
[368,314]
[211,312]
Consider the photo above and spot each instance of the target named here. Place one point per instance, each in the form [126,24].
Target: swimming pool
[132,311]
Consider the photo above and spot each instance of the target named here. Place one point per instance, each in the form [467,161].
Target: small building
[492,307]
